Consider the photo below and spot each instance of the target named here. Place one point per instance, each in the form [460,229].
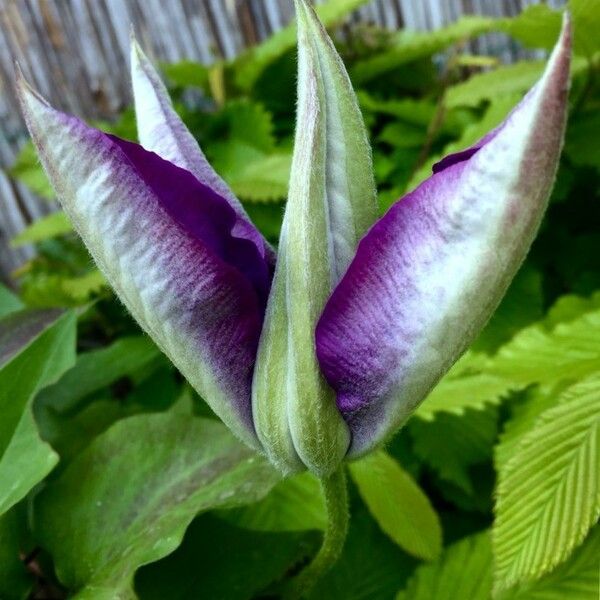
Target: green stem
[335,493]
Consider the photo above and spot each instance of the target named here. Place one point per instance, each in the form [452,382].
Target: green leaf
[525,410]
[96,369]
[398,504]
[294,504]
[506,79]
[50,226]
[186,73]
[570,307]
[401,135]
[415,112]
[9,303]
[251,124]
[408,46]
[28,170]
[132,493]
[569,351]
[537,26]
[586,24]
[253,175]
[15,582]
[371,567]
[549,491]
[583,129]
[249,66]
[464,571]
[450,444]
[465,387]
[35,349]
[522,305]
[576,579]
[218,560]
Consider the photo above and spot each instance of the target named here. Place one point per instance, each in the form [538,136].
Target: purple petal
[164,241]
[161,130]
[429,274]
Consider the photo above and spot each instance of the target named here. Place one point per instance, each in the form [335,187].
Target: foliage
[107,458]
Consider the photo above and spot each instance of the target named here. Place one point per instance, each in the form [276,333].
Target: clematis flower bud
[362,317]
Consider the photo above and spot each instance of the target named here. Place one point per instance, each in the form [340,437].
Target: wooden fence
[76,53]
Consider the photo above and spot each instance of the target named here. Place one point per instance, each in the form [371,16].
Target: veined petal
[429,274]
[331,203]
[163,240]
[161,130]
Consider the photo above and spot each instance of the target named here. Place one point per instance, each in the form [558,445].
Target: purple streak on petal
[163,241]
[161,130]
[205,214]
[429,274]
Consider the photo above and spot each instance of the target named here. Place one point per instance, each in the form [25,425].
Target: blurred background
[76,53]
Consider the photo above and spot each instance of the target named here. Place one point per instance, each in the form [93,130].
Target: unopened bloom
[321,351]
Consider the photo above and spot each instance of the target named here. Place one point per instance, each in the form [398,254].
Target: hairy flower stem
[335,492]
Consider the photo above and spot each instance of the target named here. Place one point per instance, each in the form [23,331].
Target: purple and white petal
[429,274]
[164,242]
[161,130]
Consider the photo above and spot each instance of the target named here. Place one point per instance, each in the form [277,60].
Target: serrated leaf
[570,307]
[219,560]
[576,579]
[122,517]
[450,444]
[35,349]
[251,124]
[47,227]
[402,135]
[549,491]
[570,351]
[186,73]
[398,504]
[464,571]
[295,504]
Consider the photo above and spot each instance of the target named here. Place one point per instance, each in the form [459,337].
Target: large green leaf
[96,369]
[463,572]
[576,579]
[218,560]
[35,349]
[132,493]
[295,504]
[570,351]
[549,491]
[398,504]
[537,26]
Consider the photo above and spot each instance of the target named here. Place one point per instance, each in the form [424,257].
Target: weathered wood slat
[76,53]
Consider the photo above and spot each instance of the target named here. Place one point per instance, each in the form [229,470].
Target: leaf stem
[335,493]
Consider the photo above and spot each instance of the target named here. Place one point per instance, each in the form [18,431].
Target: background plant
[493,484]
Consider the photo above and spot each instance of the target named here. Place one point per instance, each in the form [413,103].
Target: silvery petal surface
[429,274]
[164,242]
